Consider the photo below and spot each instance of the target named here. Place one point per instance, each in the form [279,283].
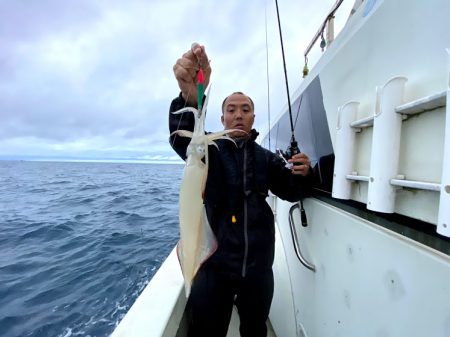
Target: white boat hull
[369,281]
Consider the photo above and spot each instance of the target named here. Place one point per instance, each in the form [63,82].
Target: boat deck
[233,329]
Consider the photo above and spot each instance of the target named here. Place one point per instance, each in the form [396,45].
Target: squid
[197,240]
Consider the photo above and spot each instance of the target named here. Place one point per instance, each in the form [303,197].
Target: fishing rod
[267,73]
[293,147]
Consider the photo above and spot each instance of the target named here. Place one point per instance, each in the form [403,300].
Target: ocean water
[79,242]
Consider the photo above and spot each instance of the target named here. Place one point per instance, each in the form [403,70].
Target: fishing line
[185,104]
[298,111]
[181,117]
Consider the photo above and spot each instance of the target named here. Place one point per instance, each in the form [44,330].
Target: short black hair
[239,93]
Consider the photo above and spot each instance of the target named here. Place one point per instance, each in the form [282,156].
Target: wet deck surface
[233,330]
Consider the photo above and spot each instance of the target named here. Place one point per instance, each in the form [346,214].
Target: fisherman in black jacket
[239,178]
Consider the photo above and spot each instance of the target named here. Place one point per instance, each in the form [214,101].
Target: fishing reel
[292,150]
[289,153]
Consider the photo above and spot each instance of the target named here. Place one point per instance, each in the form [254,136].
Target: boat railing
[296,242]
[328,24]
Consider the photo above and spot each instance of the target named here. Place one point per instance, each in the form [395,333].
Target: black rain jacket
[239,178]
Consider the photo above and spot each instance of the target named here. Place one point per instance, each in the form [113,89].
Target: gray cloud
[87,78]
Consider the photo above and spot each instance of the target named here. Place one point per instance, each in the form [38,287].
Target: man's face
[238,114]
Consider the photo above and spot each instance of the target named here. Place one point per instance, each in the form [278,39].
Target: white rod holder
[385,147]
[443,226]
[344,149]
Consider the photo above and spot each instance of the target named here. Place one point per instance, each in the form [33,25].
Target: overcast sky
[93,79]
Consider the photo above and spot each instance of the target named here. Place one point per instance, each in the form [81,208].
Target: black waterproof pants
[212,297]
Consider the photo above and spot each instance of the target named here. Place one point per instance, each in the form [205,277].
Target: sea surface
[79,242]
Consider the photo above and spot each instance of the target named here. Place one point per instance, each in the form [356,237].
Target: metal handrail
[322,27]
[295,240]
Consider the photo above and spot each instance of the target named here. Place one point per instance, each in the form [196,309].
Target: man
[239,178]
